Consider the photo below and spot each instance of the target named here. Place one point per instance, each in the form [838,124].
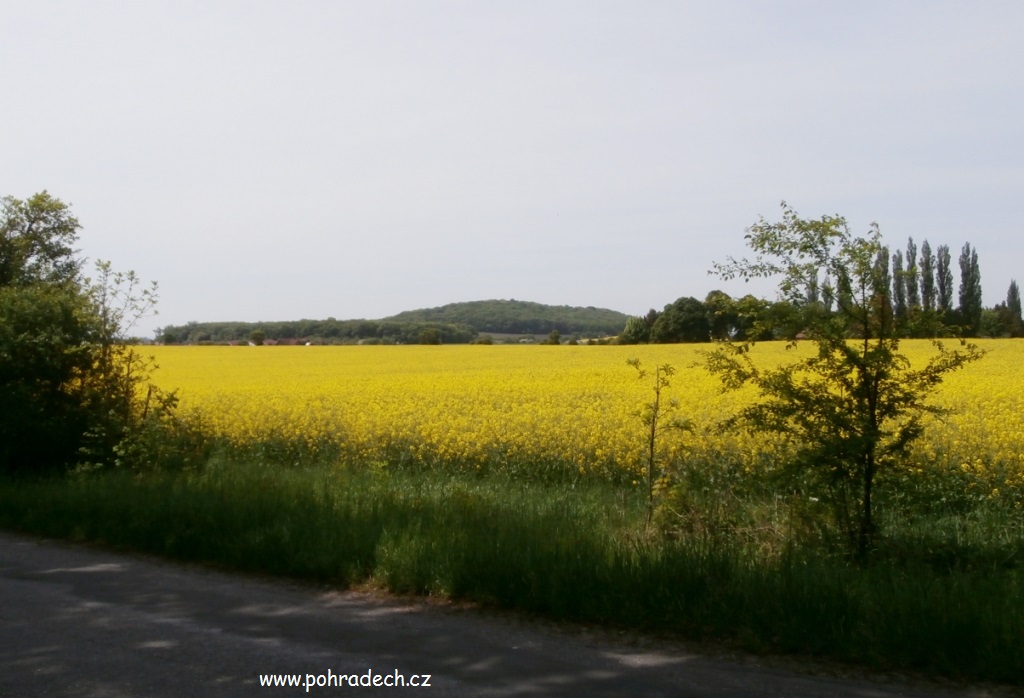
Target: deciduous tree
[944,282]
[636,331]
[685,320]
[899,291]
[970,290]
[69,385]
[852,409]
[911,277]
[36,242]
[927,265]
[722,316]
[1013,310]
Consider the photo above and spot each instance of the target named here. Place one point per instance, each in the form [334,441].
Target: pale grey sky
[303,159]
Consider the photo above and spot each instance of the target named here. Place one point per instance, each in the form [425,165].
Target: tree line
[329,331]
[917,285]
[455,323]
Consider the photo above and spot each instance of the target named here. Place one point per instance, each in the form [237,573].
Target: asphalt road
[85,622]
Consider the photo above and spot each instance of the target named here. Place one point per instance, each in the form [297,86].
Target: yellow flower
[515,407]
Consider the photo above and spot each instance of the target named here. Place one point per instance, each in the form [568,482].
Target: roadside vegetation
[857,497]
[942,595]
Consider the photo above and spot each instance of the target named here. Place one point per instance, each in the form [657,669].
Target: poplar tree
[911,276]
[1013,310]
[899,291]
[944,282]
[927,265]
[881,283]
[970,290]
[828,294]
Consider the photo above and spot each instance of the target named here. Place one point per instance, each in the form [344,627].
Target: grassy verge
[567,552]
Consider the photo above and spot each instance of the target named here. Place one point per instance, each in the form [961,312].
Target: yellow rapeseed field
[540,406]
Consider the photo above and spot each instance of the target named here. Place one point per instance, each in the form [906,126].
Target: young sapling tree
[855,406]
[658,417]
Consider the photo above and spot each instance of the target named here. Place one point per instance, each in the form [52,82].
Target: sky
[279,160]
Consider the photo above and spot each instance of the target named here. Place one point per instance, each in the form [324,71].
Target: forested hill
[450,324]
[521,317]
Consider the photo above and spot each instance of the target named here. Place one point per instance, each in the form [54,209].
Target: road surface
[87,622]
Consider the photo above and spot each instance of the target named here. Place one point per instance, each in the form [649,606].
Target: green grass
[944,599]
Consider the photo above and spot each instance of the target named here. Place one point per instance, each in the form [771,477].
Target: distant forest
[456,323]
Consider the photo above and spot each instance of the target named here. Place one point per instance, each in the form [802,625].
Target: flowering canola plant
[513,407]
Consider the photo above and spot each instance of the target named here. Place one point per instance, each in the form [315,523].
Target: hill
[455,323]
[520,317]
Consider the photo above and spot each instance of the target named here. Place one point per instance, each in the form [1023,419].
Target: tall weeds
[944,604]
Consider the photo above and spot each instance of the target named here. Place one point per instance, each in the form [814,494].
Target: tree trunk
[867,525]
